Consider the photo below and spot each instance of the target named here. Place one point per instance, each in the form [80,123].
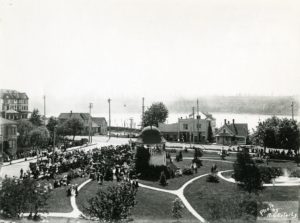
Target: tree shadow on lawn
[177,182]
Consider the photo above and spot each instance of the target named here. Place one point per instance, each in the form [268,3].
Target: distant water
[118,119]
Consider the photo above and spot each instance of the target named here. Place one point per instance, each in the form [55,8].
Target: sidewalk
[19,161]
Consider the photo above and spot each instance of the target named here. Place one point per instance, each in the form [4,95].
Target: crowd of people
[100,164]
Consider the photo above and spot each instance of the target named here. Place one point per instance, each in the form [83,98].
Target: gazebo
[152,139]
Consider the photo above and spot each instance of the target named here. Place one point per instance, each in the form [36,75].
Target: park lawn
[200,191]
[152,206]
[177,182]
[58,200]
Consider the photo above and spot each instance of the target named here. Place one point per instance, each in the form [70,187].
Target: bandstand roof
[150,135]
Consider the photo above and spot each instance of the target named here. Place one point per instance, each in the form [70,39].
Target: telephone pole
[198,119]
[143,112]
[44,109]
[109,100]
[131,125]
[292,105]
[90,123]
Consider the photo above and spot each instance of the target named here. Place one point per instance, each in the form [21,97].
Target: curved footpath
[231,180]
[76,213]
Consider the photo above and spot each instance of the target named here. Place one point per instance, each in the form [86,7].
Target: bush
[177,208]
[19,196]
[163,179]
[295,173]
[268,173]
[187,171]
[212,178]
[112,204]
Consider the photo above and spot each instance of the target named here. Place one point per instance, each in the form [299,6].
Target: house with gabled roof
[98,124]
[232,133]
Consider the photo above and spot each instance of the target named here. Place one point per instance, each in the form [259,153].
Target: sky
[79,51]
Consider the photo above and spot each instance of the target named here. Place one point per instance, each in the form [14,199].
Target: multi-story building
[13,105]
[188,129]
[8,137]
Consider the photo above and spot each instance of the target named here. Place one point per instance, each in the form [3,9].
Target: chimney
[71,113]
[228,122]
[232,121]
[225,122]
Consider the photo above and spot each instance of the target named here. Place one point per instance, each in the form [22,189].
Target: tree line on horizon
[268,105]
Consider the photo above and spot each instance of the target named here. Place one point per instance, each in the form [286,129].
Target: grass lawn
[58,200]
[200,191]
[152,206]
[177,182]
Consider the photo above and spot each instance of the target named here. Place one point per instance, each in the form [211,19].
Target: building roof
[85,117]
[99,120]
[168,127]
[82,116]
[239,129]
[12,94]
[4,121]
[150,135]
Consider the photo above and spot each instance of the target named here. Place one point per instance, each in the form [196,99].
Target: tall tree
[288,134]
[210,136]
[157,113]
[266,133]
[277,133]
[24,127]
[246,172]
[36,118]
[73,126]
[39,137]
[51,126]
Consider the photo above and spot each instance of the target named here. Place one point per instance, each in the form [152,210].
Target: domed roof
[150,135]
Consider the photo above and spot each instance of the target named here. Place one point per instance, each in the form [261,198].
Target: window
[198,126]
[185,126]
[224,131]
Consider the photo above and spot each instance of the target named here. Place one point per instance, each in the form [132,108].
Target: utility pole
[90,123]
[143,112]
[44,109]
[193,123]
[198,119]
[109,100]
[292,105]
[131,124]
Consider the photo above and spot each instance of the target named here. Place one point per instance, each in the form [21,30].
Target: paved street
[98,141]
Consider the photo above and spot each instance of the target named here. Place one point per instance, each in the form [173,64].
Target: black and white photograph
[145,111]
